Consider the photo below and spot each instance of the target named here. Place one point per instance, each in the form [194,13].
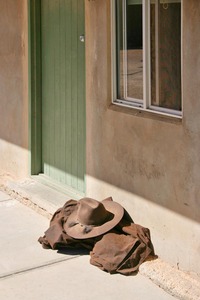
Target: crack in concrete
[41,266]
[6,200]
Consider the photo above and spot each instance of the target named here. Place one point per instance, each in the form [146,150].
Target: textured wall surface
[13,88]
[150,165]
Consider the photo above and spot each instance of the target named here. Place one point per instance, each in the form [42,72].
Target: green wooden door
[63,91]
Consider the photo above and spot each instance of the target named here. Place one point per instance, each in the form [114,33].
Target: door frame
[34,87]
[35,92]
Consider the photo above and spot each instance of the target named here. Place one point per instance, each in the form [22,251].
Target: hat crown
[91,212]
[92,218]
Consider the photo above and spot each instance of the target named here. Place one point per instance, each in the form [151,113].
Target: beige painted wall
[150,165]
[13,87]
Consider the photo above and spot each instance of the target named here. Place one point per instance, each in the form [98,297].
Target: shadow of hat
[92,218]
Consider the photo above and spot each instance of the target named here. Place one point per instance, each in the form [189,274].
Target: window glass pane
[129,49]
[134,51]
[120,50]
[165,29]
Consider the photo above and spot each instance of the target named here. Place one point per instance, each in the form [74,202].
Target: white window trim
[145,104]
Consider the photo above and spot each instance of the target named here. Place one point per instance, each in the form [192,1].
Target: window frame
[145,104]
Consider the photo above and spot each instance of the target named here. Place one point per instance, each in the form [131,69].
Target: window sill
[137,112]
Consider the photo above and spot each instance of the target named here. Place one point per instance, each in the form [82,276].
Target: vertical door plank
[62,80]
[57,100]
[74,75]
[47,85]
[81,99]
[68,91]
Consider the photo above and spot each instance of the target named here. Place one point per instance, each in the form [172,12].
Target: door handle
[82,38]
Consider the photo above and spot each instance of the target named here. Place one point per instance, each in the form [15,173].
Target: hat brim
[77,230]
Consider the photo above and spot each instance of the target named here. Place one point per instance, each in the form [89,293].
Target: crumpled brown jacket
[120,250]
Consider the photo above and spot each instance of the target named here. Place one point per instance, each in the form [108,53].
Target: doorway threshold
[41,194]
[60,187]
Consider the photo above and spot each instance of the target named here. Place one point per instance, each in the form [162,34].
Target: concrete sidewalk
[27,271]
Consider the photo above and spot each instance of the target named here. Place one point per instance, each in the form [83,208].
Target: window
[147,64]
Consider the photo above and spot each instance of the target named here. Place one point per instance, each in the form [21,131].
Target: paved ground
[27,271]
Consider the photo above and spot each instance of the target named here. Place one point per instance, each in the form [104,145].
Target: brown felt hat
[92,218]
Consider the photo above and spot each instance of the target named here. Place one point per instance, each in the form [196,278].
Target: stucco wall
[149,164]
[13,89]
